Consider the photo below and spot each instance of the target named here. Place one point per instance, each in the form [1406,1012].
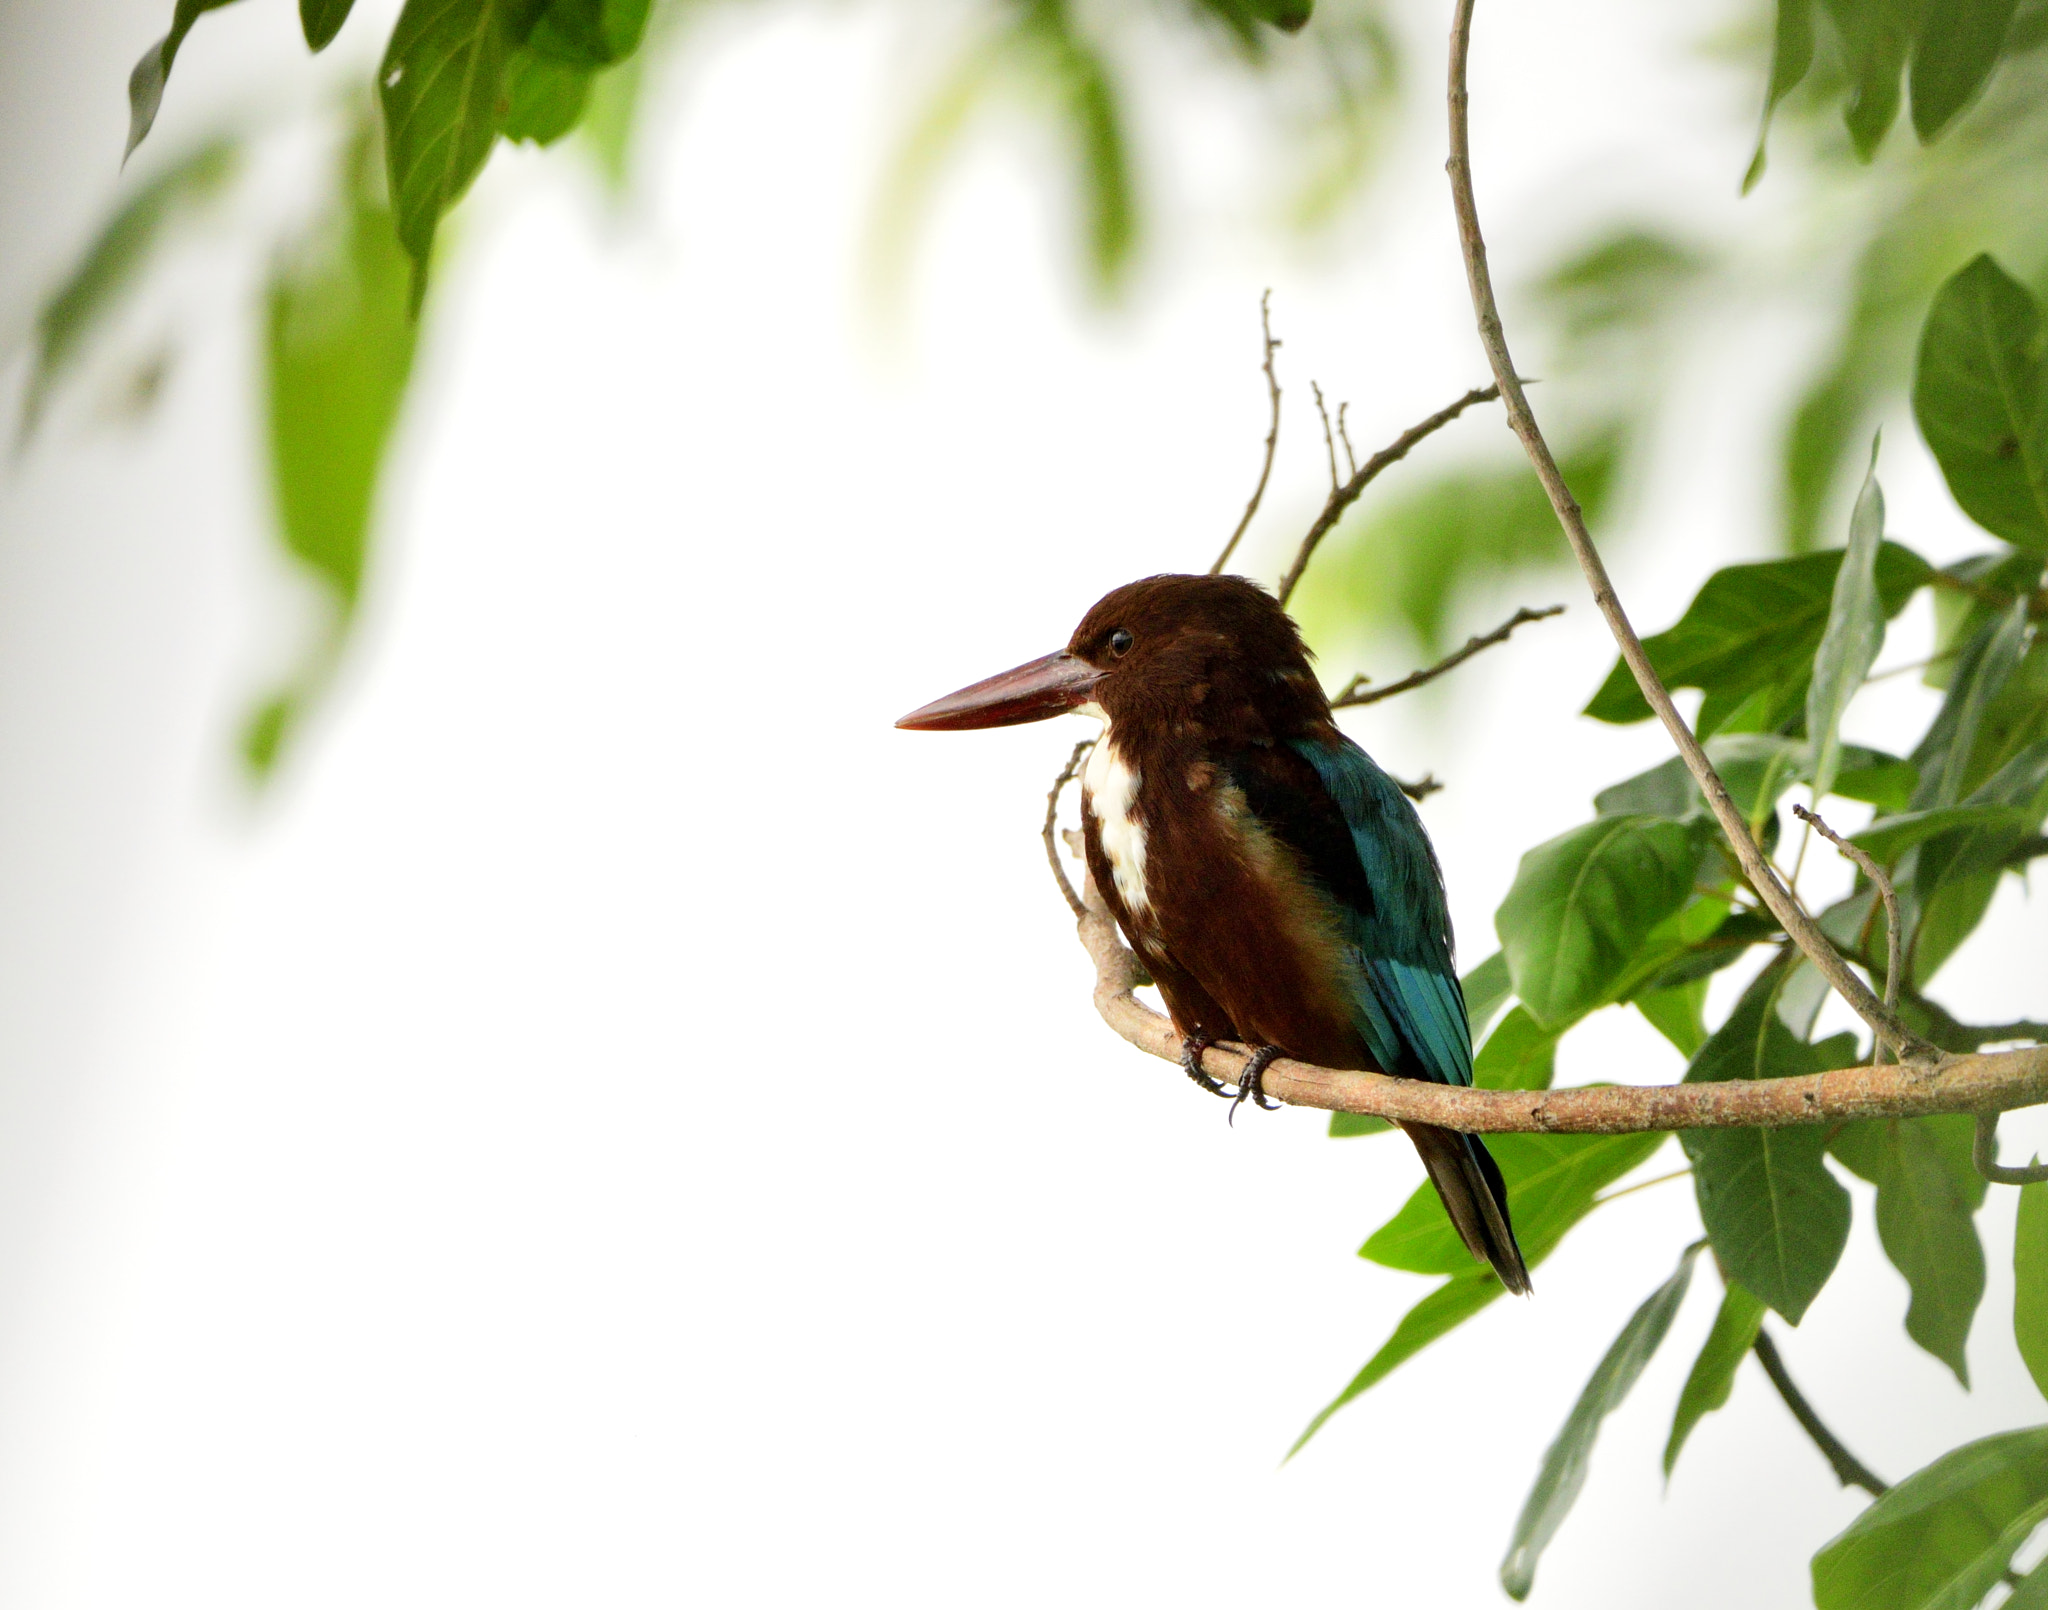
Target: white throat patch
[1112,790]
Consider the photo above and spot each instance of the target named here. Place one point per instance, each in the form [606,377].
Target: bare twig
[1347,494]
[1984,1153]
[1981,1082]
[1849,1470]
[1642,1185]
[1344,436]
[1421,788]
[1894,929]
[1272,438]
[1356,693]
[1329,441]
[1052,816]
[1804,932]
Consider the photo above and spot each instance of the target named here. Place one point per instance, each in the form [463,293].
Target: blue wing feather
[1406,998]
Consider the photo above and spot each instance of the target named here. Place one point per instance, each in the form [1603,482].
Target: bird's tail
[1475,1196]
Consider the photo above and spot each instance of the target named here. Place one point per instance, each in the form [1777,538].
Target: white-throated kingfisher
[1275,882]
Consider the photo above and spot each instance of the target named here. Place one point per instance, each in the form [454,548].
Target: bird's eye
[1119,641]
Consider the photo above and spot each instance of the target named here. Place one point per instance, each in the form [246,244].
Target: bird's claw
[1251,1081]
[1191,1050]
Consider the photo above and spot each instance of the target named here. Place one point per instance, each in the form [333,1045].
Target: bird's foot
[1251,1081]
[1191,1050]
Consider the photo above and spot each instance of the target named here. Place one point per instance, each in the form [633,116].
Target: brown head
[1216,653]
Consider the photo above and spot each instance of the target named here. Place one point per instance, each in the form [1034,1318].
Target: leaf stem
[1849,1470]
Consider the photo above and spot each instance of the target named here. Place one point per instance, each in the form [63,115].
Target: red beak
[1048,687]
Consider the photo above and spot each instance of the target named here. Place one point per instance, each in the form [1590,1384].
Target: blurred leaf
[1958,46]
[1852,637]
[442,84]
[1713,1373]
[1516,1056]
[1928,1193]
[321,20]
[1876,778]
[1574,922]
[146,82]
[1979,397]
[1876,35]
[338,358]
[544,97]
[1552,1181]
[1890,837]
[1791,55]
[1942,1538]
[1087,95]
[1753,629]
[1950,915]
[1678,1012]
[1983,668]
[2030,1282]
[78,307]
[1563,1472]
[1778,1219]
[589,33]
[1242,17]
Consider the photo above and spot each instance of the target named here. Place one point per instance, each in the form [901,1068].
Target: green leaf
[1978,396]
[589,33]
[1553,1182]
[1876,35]
[1486,989]
[1574,922]
[1678,1012]
[146,82]
[1928,1193]
[1243,17]
[1958,46]
[321,20]
[1943,1537]
[1945,755]
[1713,1372]
[79,306]
[1087,94]
[1753,630]
[1890,837]
[2030,1282]
[442,84]
[1852,637]
[338,358]
[1518,1055]
[1778,1219]
[1791,55]
[1563,1472]
[1876,778]
[2032,1593]
[544,97]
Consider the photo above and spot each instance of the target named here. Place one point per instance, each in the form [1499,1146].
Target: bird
[1275,882]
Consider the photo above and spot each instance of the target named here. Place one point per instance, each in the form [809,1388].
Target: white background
[619,1124]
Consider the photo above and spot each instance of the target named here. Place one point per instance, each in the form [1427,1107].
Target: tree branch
[1356,694]
[1804,932]
[1993,1082]
[1052,817]
[1849,1470]
[1272,438]
[1984,1153]
[1347,494]
[1894,929]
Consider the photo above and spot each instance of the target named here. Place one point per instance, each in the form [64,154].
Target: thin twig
[1329,441]
[1347,494]
[1356,693]
[1421,788]
[1849,1470]
[1272,437]
[1641,1185]
[1894,929]
[1981,1082]
[1802,928]
[1344,436]
[1052,814]
[1984,1153]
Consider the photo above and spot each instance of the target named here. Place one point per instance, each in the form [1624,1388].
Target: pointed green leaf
[589,33]
[1791,55]
[1713,1372]
[146,82]
[2030,1283]
[1092,105]
[1777,1217]
[544,97]
[1574,923]
[1957,49]
[1678,1012]
[120,251]
[1946,755]
[1943,1537]
[1854,634]
[1876,35]
[1751,633]
[321,20]
[1978,394]
[1517,1055]
[1563,1472]
[1928,1193]
[1487,988]
[1890,837]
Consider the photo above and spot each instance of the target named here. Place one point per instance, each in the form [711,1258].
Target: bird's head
[1215,651]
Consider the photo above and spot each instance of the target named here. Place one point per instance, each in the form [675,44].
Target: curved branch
[1984,1153]
[1975,1084]
[1050,832]
[1272,439]
[1356,692]
[1849,1470]
[1755,865]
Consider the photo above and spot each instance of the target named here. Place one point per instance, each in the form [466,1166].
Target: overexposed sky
[619,1124]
